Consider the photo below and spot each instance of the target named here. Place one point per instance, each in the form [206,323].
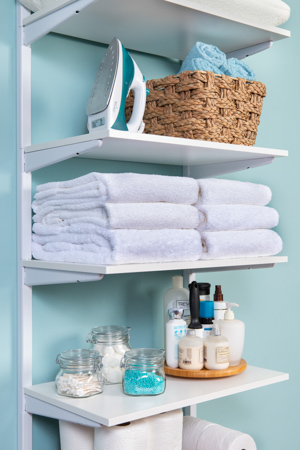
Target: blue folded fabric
[200,64]
[206,52]
[238,69]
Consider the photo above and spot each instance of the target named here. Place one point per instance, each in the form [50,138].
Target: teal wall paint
[63,74]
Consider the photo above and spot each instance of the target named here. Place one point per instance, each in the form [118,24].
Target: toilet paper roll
[165,431]
[202,435]
[128,436]
[75,437]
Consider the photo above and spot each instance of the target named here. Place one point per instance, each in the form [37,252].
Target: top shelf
[178,24]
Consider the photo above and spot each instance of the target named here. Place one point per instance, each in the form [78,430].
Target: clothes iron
[117,75]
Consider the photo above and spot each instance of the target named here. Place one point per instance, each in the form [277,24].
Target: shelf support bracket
[248,51]
[42,158]
[212,170]
[36,406]
[40,277]
[42,23]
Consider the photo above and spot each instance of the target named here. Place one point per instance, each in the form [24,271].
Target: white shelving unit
[135,21]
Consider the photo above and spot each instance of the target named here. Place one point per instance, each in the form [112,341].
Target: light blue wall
[63,73]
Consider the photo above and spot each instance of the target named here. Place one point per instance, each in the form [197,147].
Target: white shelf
[178,24]
[112,407]
[43,272]
[119,145]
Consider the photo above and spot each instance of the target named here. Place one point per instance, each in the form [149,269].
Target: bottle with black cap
[204,291]
[191,345]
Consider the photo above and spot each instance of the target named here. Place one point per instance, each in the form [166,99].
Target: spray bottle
[234,331]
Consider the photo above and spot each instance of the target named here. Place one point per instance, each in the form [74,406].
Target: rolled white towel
[127,188]
[118,246]
[202,435]
[236,217]
[239,244]
[145,216]
[214,191]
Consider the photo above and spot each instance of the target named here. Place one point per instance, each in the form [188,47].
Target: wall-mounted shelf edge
[179,393]
[43,272]
[119,145]
[171,20]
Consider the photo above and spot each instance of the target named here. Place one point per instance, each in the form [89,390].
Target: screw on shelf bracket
[42,158]
[45,20]
[248,51]
[40,277]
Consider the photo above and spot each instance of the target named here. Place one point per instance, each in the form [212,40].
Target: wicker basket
[203,105]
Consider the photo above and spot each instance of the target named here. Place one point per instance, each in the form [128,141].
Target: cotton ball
[108,350]
[114,375]
[99,348]
[114,361]
[121,349]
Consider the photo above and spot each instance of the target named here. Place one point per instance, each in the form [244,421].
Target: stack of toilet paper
[162,431]
[202,435]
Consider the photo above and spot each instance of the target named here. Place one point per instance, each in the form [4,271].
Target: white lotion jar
[234,331]
[190,352]
[216,350]
[175,330]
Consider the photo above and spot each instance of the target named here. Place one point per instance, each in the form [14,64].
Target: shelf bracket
[41,408]
[41,23]
[212,170]
[42,158]
[248,51]
[40,277]
[189,275]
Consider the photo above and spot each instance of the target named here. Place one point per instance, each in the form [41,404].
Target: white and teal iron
[117,75]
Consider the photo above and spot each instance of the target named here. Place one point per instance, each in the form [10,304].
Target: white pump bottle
[234,331]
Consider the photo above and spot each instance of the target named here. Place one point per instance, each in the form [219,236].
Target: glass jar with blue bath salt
[144,372]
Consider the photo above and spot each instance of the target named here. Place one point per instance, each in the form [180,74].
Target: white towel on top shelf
[236,217]
[147,216]
[125,188]
[102,246]
[214,191]
[236,244]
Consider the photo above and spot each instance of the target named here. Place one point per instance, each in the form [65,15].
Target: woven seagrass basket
[203,105]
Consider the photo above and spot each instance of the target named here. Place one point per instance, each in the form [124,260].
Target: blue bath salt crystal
[137,382]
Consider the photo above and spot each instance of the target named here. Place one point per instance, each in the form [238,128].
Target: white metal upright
[24,232]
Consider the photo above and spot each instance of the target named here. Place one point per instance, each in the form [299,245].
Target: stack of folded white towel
[133,218]
[116,219]
[235,221]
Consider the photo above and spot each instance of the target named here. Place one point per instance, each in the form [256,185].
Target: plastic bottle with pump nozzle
[216,349]
[175,330]
[176,298]
[234,330]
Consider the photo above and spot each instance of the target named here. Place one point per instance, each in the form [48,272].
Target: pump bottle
[176,298]
[216,349]
[234,331]
[175,330]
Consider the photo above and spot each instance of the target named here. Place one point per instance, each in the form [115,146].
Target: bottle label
[190,356]
[222,355]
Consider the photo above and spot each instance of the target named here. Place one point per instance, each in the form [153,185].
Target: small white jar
[190,351]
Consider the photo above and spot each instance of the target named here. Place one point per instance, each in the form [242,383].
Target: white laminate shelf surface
[147,148]
[135,20]
[112,407]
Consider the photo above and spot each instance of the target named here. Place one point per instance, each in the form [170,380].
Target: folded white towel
[265,12]
[236,217]
[121,215]
[118,246]
[128,188]
[138,216]
[236,244]
[216,191]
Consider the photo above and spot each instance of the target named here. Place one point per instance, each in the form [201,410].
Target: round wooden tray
[204,373]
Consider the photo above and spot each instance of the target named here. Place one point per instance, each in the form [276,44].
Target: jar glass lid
[108,334]
[79,357]
[144,356]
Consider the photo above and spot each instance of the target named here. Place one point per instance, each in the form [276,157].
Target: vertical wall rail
[24,232]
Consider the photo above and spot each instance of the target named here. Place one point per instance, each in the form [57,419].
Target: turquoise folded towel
[238,69]
[200,64]
[206,52]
